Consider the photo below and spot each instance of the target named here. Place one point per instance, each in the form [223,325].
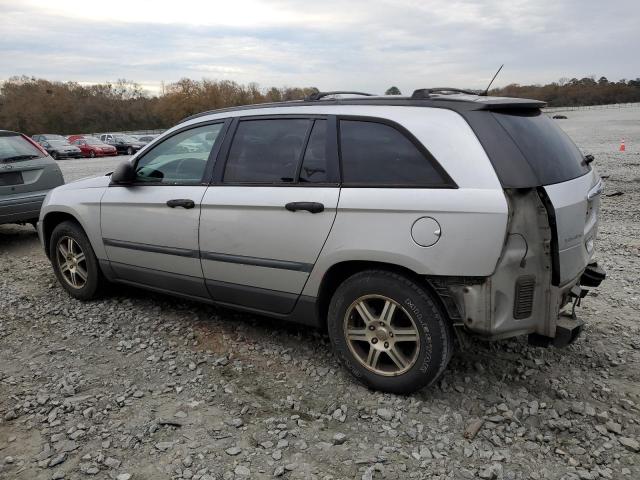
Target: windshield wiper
[17,158]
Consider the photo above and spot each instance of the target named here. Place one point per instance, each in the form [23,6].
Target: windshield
[14,148]
[93,141]
[126,138]
[49,137]
[59,143]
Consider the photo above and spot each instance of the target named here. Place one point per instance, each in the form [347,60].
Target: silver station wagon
[388,221]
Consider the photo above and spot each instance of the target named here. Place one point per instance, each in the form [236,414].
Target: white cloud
[360,44]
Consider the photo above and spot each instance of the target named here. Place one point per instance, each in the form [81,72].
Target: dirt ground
[144,386]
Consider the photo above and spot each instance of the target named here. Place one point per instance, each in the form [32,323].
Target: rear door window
[314,165]
[15,148]
[378,154]
[551,154]
[267,151]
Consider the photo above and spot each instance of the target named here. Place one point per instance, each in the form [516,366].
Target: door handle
[181,202]
[313,207]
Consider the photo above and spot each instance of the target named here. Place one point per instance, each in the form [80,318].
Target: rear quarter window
[550,153]
[378,154]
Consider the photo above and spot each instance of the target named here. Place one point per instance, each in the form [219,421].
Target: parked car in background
[44,137]
[61,149]
[355,216]
[27,173]
[146,138]
[124,143]
[73,138]
[94,147]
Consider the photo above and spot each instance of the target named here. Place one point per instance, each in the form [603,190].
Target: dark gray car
[27,174]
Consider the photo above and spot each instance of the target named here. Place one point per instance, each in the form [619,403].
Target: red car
[92,147]
[73,138]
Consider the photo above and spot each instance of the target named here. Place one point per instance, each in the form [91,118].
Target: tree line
[569,92]
[574,92]
[34,105]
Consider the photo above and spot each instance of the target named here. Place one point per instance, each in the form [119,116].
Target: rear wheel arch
[339,272]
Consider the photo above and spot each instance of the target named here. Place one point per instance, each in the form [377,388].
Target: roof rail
[319,95]
[423,93]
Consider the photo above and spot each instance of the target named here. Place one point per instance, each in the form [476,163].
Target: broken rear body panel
[554,200]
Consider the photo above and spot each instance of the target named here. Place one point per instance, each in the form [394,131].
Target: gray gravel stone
[242,471]
[385,414]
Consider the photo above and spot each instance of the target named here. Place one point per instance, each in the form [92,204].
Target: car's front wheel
[129,151]
[92,154]
[55,156]
[74,262]
[389,331]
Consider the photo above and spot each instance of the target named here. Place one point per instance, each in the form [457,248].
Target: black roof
[456,102]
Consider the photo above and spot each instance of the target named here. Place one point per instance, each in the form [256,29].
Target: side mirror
[124,174]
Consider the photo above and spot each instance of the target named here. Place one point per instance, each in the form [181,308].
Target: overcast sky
[357,45]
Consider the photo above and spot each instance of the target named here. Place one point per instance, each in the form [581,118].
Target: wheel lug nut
[386,344]
[391,334]
[371,327]
[374,340]
[382,324]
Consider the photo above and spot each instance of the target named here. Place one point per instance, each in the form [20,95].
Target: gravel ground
[143,386]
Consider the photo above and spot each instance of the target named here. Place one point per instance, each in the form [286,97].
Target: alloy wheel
[72,262]
[381,335]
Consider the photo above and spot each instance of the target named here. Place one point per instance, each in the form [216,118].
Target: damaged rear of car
[548,259]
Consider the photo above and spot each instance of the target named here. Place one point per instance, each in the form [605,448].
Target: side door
[150,228]
[270,209]
[82,145]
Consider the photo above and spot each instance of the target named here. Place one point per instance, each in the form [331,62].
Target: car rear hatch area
[566,183]
[26,175]
[530,152]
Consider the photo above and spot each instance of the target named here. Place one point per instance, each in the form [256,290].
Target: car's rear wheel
[92,154]
[74,262]
[389,331]
[55,156]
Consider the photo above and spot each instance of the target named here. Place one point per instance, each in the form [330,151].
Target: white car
[388,221]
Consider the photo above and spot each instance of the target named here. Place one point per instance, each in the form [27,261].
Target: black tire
[129,151]
[92,154]
[434,349]
[55,156]
[94,279]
